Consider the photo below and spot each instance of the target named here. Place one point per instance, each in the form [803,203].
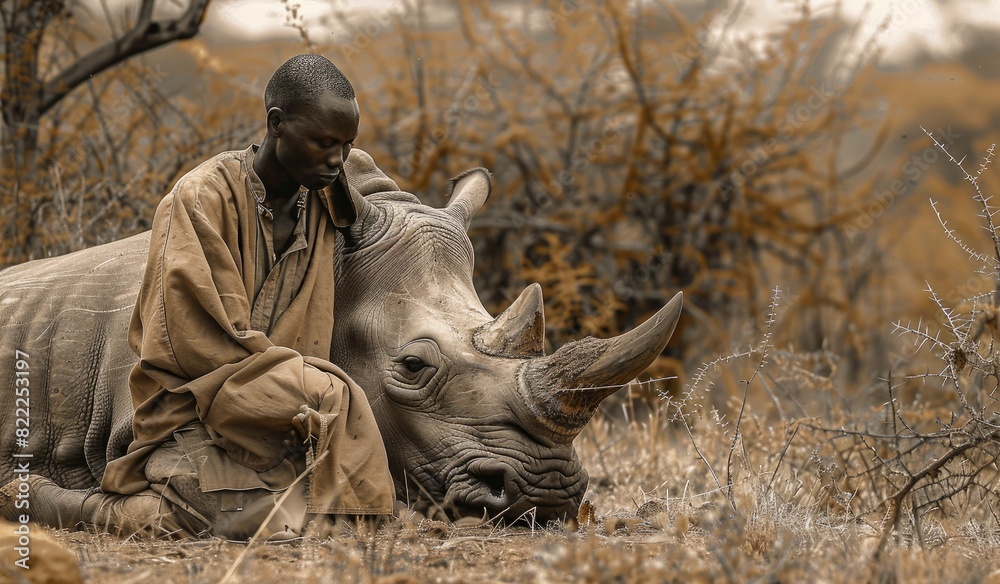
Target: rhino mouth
[496,489]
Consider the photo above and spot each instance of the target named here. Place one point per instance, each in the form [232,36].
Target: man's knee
[227,513]
[256,513]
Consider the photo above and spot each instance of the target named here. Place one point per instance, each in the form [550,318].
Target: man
[234,396]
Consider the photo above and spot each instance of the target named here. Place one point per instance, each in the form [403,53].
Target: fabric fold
[202,363]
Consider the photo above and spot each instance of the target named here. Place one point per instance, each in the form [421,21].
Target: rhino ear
[517,333]
[469,192]
[364,175]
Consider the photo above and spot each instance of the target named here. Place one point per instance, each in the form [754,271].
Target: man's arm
[193,337]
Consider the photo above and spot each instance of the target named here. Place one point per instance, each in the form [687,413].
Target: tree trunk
[26,97]
[24,24]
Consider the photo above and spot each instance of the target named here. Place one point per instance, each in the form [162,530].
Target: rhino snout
[495,487]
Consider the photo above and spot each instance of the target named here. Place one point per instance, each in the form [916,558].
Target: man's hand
[307,423]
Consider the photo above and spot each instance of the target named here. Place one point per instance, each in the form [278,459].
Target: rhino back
[70,315]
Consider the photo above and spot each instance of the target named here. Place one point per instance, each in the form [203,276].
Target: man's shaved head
[299,80]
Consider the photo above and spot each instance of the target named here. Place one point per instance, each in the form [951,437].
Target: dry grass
[800,511]
[782,483]
[770,463]
[658,518]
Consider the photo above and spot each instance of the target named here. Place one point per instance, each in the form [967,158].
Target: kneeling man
[234,395]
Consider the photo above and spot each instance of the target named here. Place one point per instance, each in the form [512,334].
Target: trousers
[177,505]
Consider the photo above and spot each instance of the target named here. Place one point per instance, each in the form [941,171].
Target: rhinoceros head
[475,418]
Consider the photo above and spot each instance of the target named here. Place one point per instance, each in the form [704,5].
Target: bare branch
[146,35]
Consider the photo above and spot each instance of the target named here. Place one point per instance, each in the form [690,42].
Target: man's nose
[335,159]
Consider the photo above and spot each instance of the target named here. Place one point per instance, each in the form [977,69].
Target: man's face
[314,139]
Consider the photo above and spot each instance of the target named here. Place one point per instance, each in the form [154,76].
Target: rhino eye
[417,370]
[413,364]
[412,370]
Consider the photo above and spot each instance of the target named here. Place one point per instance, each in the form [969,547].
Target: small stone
[49,561]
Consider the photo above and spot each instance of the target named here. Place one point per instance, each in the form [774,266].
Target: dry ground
[434,553]
[656,518]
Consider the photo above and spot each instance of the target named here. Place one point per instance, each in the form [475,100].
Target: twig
[774,473]
[896,500]
[988,212]
[771,315]
[711,471]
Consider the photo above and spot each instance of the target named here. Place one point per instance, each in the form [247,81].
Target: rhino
[475,417]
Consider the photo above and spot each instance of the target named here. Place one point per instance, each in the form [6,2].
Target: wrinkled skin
[450,414]
[465,402]
[474,418]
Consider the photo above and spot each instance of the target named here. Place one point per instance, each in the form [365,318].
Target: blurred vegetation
[637,155]
[75,150]
[638,150]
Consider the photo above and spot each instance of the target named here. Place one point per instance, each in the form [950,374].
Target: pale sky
[914,23]
[266,18]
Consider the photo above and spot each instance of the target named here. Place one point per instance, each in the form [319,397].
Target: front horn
[564,389]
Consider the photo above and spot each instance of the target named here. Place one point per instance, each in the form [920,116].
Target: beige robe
[228,340]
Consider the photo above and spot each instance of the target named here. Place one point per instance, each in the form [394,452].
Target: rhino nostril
[492,479]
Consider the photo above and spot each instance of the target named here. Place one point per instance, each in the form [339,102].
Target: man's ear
[275,121]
